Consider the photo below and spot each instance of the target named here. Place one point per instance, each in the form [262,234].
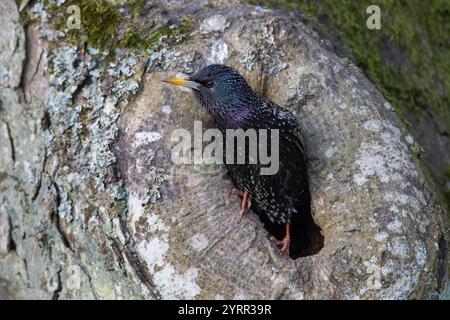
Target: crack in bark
[141,272]
[37,65]
[25,266]
[215,243]
[24,65]
[25,77]
[263,82]
[134,262]
[89,280]
[38,186]
[56,219]
[11,243]
[82,84]
[11,141]
[117,251]
[56,293]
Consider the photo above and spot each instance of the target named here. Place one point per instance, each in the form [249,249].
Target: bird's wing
[292,177]
[293,126]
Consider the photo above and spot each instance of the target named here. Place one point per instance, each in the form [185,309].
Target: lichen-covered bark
[92,207]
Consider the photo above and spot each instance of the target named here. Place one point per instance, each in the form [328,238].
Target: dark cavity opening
[442,258]
[306,238]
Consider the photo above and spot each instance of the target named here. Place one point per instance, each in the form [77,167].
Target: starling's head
[217,87]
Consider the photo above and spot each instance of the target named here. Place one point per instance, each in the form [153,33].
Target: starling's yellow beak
[182,81]
[176,81]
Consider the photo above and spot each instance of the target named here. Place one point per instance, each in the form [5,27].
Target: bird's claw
[282,244]
[237,192]
[246,201]
[241,213]
[246,204]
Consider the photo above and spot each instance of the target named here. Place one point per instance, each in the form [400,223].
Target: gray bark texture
[91,206]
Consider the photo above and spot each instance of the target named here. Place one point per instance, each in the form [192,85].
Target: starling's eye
[209,83]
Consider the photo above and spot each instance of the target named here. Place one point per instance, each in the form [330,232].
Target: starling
[227,96]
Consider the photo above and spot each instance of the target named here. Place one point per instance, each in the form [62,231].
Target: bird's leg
[286,242]
[246,201]
[243,205]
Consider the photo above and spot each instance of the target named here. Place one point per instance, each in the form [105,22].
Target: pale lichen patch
[360,111]
[380,236]
[167,109]
[401,288]
[389,161]
[374,280]
[420,252]
[342,106]
[142,138]
[388,106]
[216,23]
[370,164]
[176,286]
[153,252]
[400,248]
[372,125]
[298,295]
[199,242]
[219,52]
[395,226]
[409,139]
[153,246]
[387,268]
[331,151]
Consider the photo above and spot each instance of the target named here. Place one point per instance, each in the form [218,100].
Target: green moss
[101,22]
[83,118]
[447,172]
[137,5]
[25,18]
[132,38]
[408,59]
[417,150]
[173,34]
[150,39]
[47,240]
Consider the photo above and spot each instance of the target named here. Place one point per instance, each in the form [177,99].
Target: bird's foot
[246,201]
[241,214]
[282,244]
[237,192]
